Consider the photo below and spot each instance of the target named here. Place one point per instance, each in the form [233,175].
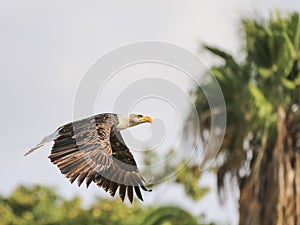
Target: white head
[132,120]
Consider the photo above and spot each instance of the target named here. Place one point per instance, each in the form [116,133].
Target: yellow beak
[147,119]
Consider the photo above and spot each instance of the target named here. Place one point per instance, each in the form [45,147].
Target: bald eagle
[93,150]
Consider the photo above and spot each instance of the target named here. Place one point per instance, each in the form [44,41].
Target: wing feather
[113,188]
[130,193]
[90,177]
[81,177]
[122,192]
[138,192]
[73,178]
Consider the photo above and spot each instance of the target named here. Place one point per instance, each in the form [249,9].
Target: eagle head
[132,120]
[135,119]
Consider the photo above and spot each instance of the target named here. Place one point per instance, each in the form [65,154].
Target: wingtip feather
[45,140]
[33,149]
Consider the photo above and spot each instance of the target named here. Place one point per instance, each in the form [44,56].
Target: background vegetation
[43,206]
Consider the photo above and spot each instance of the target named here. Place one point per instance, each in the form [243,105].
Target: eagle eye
[139,116]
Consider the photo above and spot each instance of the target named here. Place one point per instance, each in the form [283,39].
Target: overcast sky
[47,46]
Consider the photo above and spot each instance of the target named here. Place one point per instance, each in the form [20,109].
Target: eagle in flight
[93,149]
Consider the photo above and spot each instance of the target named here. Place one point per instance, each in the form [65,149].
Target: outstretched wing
[91,150]
[124,174]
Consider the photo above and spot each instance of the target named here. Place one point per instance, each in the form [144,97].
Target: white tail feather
[45,140]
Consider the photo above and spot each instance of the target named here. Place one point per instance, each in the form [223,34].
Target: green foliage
[37,205]
[254,88]
[43,206]
[188,176]
[169,215]
[184,173]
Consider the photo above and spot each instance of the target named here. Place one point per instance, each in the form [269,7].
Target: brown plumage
[93,150]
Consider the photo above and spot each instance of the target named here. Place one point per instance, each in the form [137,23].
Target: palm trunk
[270,195]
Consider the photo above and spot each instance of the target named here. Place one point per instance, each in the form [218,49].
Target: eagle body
[93,150]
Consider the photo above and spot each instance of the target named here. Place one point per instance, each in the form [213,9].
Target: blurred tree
[43,206]
[38,205]
[261,147]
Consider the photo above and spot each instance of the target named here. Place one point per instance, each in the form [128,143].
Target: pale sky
[47,46]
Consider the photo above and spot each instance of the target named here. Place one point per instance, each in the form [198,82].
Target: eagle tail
[45,140]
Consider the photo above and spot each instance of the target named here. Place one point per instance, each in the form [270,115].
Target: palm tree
[261,147]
